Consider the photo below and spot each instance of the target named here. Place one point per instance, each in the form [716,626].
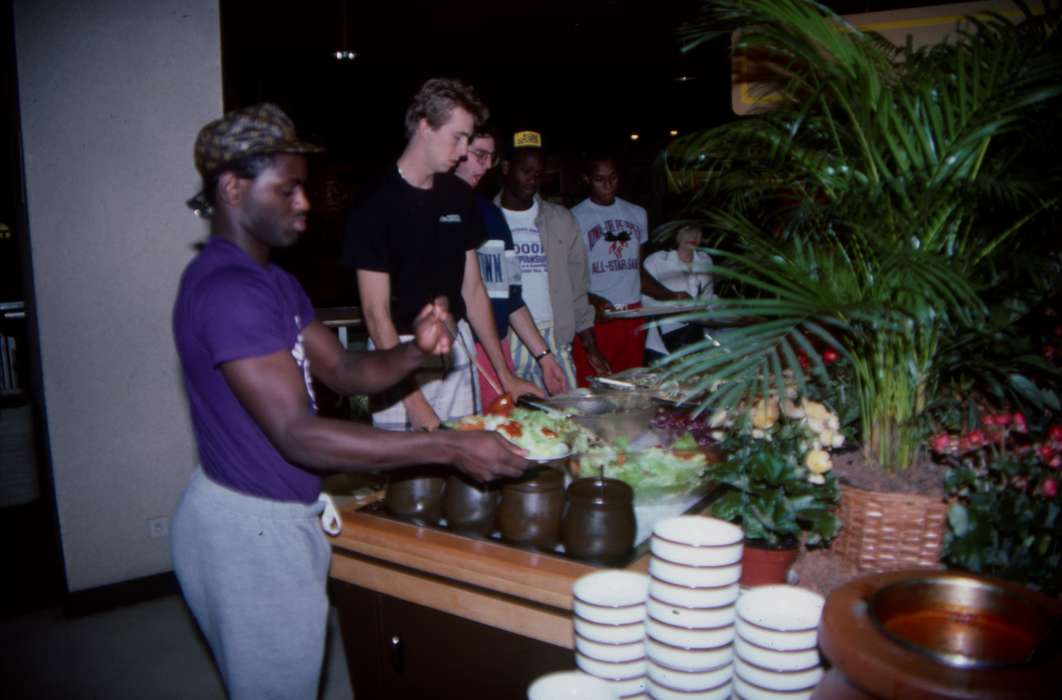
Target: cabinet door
[424,653]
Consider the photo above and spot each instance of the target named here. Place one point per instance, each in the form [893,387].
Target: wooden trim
[536,577]
[552,626]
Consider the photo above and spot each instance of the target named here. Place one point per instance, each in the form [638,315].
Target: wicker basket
[888,531]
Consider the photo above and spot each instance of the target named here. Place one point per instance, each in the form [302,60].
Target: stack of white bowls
[776,648]
[694,572]
[609,617]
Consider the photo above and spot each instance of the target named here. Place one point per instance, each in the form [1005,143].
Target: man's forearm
[589,340]
[651,287]
[370,372]
[527,331]
[346,446]
[481,318]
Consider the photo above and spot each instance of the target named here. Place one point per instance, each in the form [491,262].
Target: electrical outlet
[158,527]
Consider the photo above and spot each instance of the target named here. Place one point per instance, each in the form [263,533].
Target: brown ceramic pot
[470,506]
[763,565]
[530,510]
[599,522]
[416,494]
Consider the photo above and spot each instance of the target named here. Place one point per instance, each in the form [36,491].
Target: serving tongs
[527,402]
[620,384]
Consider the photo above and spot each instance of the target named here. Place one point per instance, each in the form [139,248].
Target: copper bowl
[965,622]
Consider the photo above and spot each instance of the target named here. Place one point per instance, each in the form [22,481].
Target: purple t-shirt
[229,307]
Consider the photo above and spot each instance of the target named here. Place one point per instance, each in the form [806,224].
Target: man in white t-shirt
[553,268]
[614,234]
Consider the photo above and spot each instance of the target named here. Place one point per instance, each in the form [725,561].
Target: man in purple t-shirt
[248,549]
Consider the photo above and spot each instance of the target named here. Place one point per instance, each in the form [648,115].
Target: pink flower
[1019,423]
[1046,452]
[1050,487]
[1055,433]
[1055,462]
[976,438]
[940,443]
[1000,419]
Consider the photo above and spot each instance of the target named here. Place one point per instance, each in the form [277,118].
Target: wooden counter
[511,589]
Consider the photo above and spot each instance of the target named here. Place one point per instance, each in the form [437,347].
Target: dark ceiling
[585,72]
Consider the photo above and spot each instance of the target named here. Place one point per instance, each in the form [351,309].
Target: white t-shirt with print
[613,237]
[531,255]
[670,271]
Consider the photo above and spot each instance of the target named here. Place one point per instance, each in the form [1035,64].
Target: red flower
[829,356]
[976,438]
[1055,433]
[803,360]
[1019,423]
[1050,487]
[940,443]
[1000,419]
[1046,452]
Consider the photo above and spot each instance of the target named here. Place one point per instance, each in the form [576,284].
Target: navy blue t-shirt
[498,266]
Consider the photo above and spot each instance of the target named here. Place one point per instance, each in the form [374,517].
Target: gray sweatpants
[253,572]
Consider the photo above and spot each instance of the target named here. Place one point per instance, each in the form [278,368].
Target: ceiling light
[673,132]
[346,55]
[635,137]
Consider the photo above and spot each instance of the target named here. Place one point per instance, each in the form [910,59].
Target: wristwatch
[539,356]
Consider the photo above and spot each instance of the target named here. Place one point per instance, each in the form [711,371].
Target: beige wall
[112,93]
[929,24]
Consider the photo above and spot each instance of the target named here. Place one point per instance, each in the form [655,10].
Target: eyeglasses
[484,156]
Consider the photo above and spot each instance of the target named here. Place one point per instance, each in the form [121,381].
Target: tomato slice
[512,429]
[501,406]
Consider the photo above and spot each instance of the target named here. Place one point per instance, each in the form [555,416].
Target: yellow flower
[764,414]
[791,409]
[818,461]
[717,419]
[815,411]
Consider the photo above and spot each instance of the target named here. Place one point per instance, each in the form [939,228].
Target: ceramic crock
[599,522]
[531,508]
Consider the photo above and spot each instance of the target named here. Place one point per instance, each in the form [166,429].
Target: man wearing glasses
[415,239]
[500,270]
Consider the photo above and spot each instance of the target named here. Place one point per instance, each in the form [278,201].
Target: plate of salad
[546,436]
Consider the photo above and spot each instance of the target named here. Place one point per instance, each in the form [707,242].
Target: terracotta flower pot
[763,564]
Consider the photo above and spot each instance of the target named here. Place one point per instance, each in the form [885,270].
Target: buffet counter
[426,612]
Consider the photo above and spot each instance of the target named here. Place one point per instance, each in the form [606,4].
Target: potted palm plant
[865,211]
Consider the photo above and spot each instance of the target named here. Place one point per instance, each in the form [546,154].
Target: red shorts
[621,341]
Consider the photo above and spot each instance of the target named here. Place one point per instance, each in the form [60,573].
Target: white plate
[647,311]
